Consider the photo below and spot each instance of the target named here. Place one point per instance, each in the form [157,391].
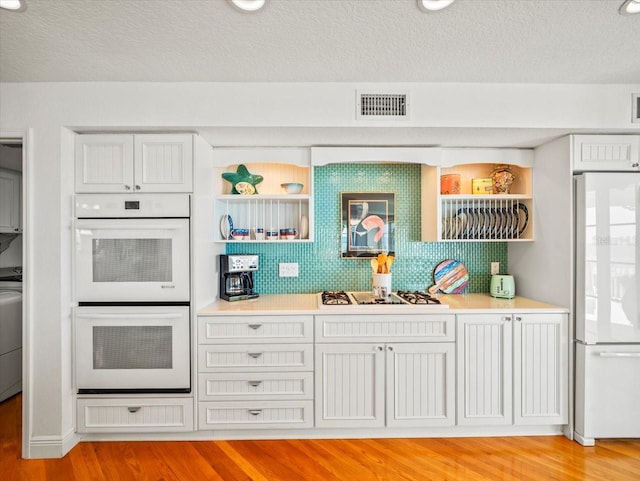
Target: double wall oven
[132,278]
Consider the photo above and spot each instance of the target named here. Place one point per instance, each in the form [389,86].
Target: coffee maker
[236,276]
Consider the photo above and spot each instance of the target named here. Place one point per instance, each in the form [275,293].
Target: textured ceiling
[531,41]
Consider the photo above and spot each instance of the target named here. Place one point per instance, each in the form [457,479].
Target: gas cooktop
[403,298]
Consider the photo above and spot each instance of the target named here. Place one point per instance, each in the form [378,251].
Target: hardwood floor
[469,459]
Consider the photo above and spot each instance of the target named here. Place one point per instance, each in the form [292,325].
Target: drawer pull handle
[255,412]
[619,354]
[255,355]
[255,383]
[255,327]
[133,409]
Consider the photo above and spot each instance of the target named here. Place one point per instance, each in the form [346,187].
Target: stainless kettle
[503,286]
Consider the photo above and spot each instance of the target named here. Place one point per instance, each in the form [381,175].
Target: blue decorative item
[242,181]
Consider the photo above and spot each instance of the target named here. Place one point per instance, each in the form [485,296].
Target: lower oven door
[132,349]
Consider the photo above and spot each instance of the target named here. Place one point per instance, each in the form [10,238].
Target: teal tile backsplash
[320,264]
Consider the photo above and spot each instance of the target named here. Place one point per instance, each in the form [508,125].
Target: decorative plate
[242,181]
[226,227]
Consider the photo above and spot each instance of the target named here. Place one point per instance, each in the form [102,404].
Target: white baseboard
[43,447]
[584,441]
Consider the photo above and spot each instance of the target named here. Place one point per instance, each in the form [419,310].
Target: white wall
[53,110]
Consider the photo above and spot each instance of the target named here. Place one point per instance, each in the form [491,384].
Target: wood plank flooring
[469,459]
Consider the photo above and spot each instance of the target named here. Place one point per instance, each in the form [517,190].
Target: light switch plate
[495,268]
[288,269]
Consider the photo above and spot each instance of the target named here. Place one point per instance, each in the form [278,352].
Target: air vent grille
[382,105]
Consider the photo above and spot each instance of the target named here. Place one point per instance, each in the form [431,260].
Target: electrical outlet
[288,269]
[495,268]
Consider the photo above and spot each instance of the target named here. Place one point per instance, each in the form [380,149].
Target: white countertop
[308,304]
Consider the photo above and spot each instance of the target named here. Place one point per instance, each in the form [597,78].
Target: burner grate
[417,297]
[335,298]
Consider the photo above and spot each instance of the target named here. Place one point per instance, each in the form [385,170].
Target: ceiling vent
[382,106]
[635,108]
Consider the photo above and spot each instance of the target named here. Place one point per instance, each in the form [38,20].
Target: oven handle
[130,316]
[619,354]
[138,227]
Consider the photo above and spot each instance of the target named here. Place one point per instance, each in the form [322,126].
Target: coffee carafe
[236,276]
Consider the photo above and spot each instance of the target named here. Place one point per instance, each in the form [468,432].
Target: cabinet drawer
[385,328]
[256,415]
[262,385]
[134,415]
[254,358]
[241,330]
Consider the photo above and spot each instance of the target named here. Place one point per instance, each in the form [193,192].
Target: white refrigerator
[607,310]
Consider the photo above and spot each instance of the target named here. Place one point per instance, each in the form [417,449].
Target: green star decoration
[242,181]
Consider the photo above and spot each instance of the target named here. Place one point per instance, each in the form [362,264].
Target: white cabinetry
[135,415]
[117,163]
[605,152]
[472,216]
[400,373]
[10,201]
[270,208]
[255,373]
[512,369]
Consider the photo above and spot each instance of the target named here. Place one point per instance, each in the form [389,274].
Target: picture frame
[367,224]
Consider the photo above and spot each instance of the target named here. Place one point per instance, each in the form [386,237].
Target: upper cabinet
[605,152]
[117,163]
[10,195]
[266,214]
[478,195]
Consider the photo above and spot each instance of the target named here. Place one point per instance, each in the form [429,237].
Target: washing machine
[10,332]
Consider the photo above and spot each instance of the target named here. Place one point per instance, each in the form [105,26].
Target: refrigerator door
[607,253]
[607,392]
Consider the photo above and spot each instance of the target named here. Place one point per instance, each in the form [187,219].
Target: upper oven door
[132,260]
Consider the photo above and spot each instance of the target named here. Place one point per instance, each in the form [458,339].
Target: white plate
[226,226]
[304,227]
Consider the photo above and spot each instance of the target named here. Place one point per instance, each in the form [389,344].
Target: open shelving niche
[468,217]
[271,208]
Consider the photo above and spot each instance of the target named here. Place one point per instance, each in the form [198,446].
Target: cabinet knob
[16,230]
[255,412]
[127,187]
[254,383]
[506,318]
[517,318]
[137,187]
[389,348]
[133,409]
[255,326]
[635,165]
[255,355]
[379,348]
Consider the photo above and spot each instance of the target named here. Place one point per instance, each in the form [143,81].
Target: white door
[541,363]
[607,250]
[104,163]
[485,369]
[10,187]
[350,385]
[606,152]
[163,163]
[421,384]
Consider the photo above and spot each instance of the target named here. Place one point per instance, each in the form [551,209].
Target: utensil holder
[381,285]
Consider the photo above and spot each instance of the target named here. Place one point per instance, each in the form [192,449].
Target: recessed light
[434,5]
[248,5]
[13,5]
[629,7]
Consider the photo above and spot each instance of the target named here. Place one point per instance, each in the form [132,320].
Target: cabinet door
[350,385]
[540,354]
[164,163]
[10,187]
[420,384]
[484,369]
[606,152]
[104,163]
